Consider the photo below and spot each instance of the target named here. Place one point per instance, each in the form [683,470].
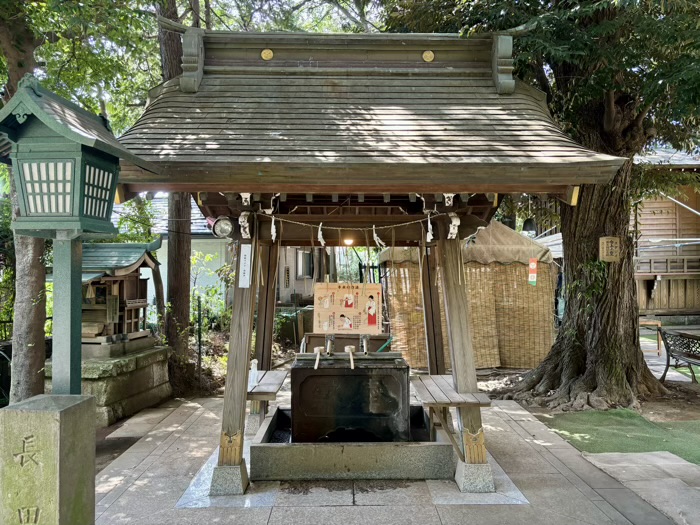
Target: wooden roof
[353,113]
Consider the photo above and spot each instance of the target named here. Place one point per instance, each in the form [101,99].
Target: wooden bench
[437,393]
[657,324]
[269,384]
[683,347]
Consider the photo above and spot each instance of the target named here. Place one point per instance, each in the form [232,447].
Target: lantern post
[65,164]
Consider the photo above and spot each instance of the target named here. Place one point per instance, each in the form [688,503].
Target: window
[305,264]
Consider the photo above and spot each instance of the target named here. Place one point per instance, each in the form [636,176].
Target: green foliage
[296,15]
[591,284]
[349,259]
[136,221]
[642,56]
[99,54]
[214,311]
[524,206]
[7,259]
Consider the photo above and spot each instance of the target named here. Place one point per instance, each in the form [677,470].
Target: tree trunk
[17,45]
[596,360]
[179,262]
[28,337]
[207,14]
[170,42]
[177,320]
[160,297]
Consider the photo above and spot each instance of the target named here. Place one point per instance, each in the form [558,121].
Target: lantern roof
[64,118]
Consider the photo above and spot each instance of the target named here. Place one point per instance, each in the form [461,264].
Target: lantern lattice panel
[48,187]
[98,189]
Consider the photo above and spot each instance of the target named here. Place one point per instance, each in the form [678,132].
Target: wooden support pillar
[230,475]
[462,352]
[269,258]
[431,310]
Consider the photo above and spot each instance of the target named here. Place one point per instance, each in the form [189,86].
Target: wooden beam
[123,194]
[234,413]
[368,178]
[570,196]
[269,258]
[461,347]
[431,312]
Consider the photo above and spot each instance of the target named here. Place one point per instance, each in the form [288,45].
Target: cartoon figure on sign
[349,300]
[347,323]
[325,301]
[371,308]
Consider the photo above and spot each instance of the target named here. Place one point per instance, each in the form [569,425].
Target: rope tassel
[321,240]
[380,243]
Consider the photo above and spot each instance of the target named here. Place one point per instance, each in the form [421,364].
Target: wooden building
[667,256]
[303,137]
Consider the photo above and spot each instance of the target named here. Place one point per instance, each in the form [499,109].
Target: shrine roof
[391,112]
[118,258]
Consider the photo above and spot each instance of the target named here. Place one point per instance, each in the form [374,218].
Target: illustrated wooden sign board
[351,308]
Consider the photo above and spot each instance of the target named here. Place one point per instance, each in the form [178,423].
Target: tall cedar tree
[177,320]
[618,75]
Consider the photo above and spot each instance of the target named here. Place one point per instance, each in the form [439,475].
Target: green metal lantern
[65,163]
[64,190]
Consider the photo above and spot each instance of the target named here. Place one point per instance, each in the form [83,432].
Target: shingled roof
[311,112]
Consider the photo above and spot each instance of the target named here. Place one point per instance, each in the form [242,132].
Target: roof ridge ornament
[29,81]
[502,64]
[192,60]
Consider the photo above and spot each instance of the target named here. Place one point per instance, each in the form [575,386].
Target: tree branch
[639,119]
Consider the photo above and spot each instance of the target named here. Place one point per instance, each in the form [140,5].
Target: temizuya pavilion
[421,132]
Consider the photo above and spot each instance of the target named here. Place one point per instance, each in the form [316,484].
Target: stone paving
[540,479]
[663,479]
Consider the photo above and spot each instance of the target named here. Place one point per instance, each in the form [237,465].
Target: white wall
[207,277]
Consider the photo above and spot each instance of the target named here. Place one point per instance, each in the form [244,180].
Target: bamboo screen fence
[512,321]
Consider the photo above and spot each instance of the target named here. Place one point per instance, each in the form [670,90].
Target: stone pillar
[47,463]
[67,316]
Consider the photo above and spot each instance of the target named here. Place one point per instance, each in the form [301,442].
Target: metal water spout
[350,349]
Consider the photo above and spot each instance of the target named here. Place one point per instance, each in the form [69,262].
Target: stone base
[124,386]
[474,477]
[117,349]
[229,480]
[342,461]
[47,464]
